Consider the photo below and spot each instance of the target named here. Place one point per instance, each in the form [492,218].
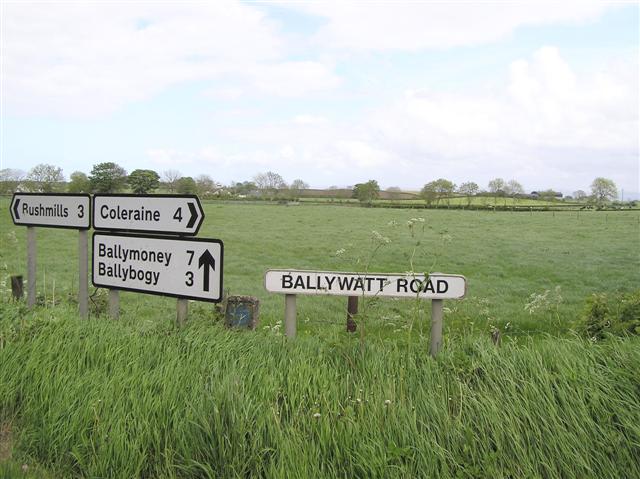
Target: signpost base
[436,326]
[435,286]
[83,274]
[114,303]
[182,310]
[31,266]
[290,315]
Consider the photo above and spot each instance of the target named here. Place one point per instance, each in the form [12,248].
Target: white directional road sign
[435,286]
[188,268]
[51,210]
[167,214]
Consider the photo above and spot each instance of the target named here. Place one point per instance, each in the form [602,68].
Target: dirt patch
[5,441]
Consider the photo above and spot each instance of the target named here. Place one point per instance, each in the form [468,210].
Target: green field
[506,257]
[140,398]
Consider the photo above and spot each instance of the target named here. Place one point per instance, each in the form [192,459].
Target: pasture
[506,257]
[141,398]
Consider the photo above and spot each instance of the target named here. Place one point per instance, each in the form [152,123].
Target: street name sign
[51,210]
[189,268]
[435,286]
[164,214]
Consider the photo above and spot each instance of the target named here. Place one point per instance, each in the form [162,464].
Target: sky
[333,93]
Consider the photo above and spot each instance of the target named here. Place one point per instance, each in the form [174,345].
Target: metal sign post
[185,268]
[51,210]
[182,307]
[83,273]
[290,323]
[437,287]
[160,214]
[55,210]
[31,267]
[437,313]
[114,303]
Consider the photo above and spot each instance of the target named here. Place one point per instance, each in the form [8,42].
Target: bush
[617,314]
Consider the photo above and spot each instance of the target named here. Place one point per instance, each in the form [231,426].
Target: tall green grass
[132,399]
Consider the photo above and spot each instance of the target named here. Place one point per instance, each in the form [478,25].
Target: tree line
[109,177]
[603,190]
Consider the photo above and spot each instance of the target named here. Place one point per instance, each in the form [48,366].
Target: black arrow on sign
[194,215]
[206,260]
[15,208]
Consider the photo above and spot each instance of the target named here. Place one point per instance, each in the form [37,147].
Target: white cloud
[83,59]
[546,125]
[168,158]
[293,79]
[548,118]
[310,120]
[418,25]
[361,154]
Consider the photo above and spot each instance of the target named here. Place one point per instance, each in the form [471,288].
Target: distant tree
[603,190]
[549,195]
[10,180]
[437,190]
[296,187]
[469,189]
[366,192]
[269,183]
[78,183]
[497,187]
[107,177]
[44,178]
[299,185]
[579,195]
[428,193]
[170,178]
[245,188]
[143,181]
[512,188]
[205,185]
[186,186]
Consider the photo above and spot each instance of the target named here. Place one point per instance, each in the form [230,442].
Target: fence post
[352,310]
[17,287]
[290,315]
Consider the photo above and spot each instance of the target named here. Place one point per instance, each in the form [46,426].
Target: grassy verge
[126,399]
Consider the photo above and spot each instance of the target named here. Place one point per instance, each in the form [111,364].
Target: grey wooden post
[83,273]
[182,309]
[17,287]
[114,303]
[436,326]
[352,310]
[31,266]
[290,315]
